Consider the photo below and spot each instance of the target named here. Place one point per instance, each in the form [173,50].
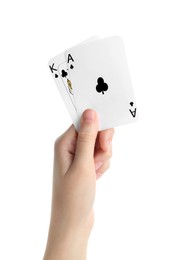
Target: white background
[138,202]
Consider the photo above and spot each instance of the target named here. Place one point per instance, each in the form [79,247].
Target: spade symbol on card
[102,86]
[70,58]
[133,112]
[53,69]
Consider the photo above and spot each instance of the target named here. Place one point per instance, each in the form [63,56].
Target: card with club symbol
[96,75]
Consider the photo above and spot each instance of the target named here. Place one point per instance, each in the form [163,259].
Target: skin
[79,160]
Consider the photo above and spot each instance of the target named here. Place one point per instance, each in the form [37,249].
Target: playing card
[60,69]
[101,81]
[70,60]
[54,65]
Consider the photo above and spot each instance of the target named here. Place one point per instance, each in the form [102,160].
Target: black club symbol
[102,86]
[64,74]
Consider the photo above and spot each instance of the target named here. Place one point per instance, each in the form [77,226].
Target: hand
[79,159]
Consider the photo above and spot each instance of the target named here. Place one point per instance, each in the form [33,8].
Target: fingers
[102,169]
[86,137]
[103,153]
[88,147]
[105,139]
[101,156]
[102,160]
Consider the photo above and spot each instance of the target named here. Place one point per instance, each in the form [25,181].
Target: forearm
[66,243]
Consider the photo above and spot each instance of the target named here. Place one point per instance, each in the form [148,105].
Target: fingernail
[88,115]
[98,165]
[108,144]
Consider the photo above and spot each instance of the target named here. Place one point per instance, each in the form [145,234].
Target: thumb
[87,134]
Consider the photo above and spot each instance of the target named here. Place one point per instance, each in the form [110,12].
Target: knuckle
[58,144]
[85,137]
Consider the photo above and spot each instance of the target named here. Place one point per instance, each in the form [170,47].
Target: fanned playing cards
[94,74]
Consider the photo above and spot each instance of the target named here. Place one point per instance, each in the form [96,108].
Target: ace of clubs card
[101,81]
